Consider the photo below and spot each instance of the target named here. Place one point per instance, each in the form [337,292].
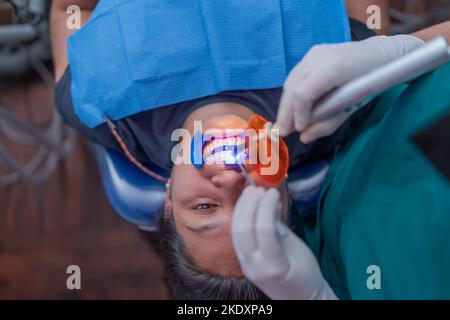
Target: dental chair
[139,199]
[135,196]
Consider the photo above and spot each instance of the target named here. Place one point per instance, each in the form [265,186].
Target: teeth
[217,146]
[207,150]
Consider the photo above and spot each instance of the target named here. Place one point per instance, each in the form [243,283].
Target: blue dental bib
[136,55]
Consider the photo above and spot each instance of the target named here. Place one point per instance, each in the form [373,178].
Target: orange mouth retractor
[253,152]
[256,171]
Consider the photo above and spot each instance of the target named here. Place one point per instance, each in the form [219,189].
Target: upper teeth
[220,144]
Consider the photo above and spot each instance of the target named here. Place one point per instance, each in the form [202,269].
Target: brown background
[65,221]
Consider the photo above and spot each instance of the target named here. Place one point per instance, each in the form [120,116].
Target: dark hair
[187,282]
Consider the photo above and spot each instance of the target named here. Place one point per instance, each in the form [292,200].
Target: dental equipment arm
[270,254]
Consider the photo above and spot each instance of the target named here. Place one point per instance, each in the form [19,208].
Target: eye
[205,206]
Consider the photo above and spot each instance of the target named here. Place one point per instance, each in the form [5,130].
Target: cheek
[183,176]
[186,184]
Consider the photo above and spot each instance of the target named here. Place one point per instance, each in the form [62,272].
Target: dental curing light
[358,92]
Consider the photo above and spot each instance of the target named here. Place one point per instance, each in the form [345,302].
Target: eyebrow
[205,227]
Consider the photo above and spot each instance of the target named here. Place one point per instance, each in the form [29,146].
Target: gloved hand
[326,67]
[270,254]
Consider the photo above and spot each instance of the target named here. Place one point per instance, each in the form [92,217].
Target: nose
[228,179]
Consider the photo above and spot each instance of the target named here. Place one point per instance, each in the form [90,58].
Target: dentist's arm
[270,254]
[442,29]
[59,31]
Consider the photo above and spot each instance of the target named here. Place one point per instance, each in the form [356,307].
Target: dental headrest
[135,196]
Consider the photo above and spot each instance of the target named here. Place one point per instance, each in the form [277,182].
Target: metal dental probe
[268,127]
[247,176]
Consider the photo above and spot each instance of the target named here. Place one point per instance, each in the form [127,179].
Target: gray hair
[187,282]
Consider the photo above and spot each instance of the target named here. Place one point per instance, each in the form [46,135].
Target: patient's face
[202,201]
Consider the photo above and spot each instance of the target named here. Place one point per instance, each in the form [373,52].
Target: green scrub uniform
[384,212]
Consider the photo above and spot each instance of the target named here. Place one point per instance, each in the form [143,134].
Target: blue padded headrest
[139,198]
[134,195]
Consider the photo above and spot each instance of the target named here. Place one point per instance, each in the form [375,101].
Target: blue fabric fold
[137,55]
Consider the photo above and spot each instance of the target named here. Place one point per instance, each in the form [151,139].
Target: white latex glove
[326,67]
[270,254]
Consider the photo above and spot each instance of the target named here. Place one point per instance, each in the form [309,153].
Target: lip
[224,126]
[225,122]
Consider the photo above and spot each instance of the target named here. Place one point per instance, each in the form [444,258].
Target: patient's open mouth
[229,150]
